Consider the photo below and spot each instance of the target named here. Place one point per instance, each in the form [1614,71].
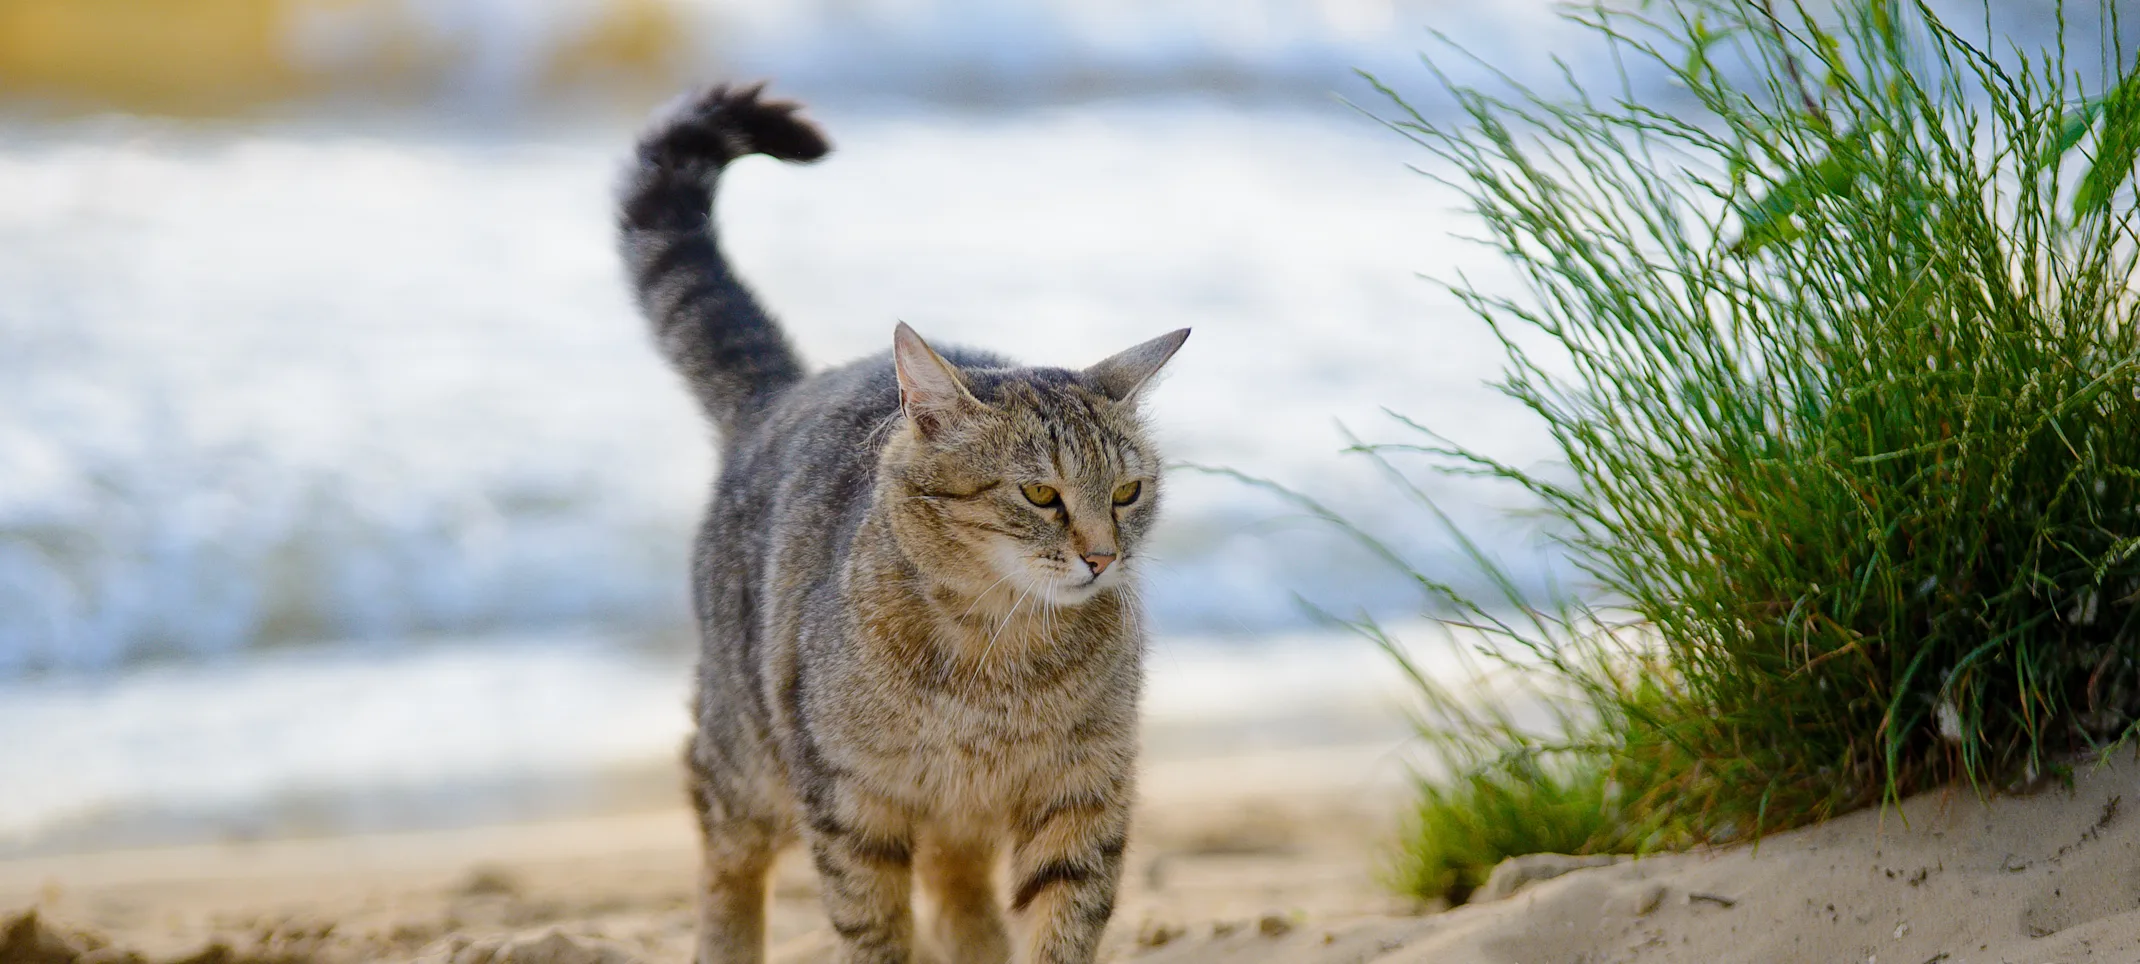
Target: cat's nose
[1099,561]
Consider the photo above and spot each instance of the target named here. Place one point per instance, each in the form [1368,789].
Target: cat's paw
[704,130]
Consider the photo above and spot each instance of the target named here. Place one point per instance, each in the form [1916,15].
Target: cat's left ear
[1121,376]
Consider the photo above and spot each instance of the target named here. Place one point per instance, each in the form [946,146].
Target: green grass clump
[1499,790]
[1843,368]
[1462,829]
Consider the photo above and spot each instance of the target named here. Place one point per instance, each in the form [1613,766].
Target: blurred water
[987,52]
[273,384]
[513,727]
[372,375]
[365,385]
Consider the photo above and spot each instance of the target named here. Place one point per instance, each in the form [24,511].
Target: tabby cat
[920,638]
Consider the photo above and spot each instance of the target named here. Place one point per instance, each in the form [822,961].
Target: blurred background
[340,488]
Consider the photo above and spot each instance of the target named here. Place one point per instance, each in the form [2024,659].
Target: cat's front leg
[960,919]
[1066,864]
[863,850]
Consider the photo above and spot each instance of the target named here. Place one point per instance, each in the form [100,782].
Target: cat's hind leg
[958,899]
[738,846]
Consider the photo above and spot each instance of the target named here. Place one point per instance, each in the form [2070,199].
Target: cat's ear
[931,393]
[1120,376]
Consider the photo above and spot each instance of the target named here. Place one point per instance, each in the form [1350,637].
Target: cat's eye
[1043,496]
[1127,492]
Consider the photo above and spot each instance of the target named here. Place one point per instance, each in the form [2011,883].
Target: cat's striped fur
[920,643]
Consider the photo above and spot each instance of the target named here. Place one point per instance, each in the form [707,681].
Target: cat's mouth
[1075,593]
[1064,585]
[1081,587]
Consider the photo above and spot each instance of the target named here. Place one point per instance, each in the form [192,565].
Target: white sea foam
[272,384]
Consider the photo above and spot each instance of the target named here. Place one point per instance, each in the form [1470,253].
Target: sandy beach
[1260,856]
[1288,835]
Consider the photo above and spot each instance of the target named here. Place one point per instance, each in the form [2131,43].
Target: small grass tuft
[1463,829]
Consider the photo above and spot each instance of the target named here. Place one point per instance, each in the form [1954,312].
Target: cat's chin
[1077,593]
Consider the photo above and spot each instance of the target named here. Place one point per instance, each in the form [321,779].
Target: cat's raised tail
[706,321]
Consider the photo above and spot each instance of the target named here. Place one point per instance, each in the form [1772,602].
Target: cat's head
[1035,483]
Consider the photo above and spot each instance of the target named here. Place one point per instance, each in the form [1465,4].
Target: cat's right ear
[931,393]
[1121,376]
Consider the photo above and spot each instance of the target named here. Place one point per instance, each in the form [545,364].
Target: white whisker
[983,595]
[981,665]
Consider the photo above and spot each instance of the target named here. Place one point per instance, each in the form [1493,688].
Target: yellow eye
[1127,492]
[1043,496]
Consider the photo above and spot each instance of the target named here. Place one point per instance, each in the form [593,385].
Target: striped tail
[707,323]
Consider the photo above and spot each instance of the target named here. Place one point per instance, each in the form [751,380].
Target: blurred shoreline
[222,57]
[485,60]
[474,732]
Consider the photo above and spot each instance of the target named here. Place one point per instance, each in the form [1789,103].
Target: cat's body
[920,650]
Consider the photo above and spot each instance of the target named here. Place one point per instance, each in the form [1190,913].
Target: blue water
[273,385]
[355,375]
[344,407]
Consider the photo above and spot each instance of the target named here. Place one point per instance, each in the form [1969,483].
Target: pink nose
[1099,561]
